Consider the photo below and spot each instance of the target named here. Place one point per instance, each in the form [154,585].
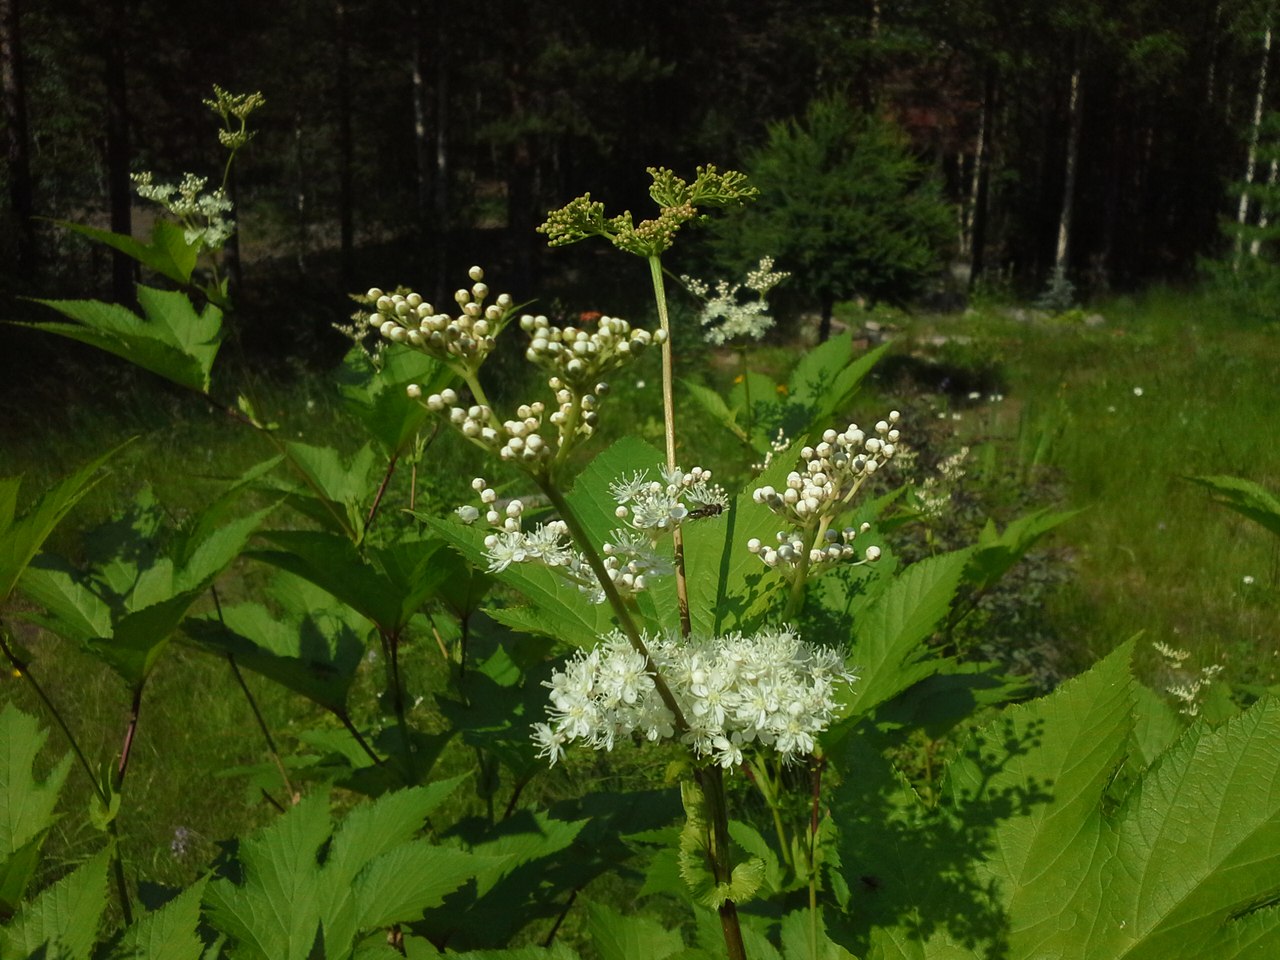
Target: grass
[1166,388]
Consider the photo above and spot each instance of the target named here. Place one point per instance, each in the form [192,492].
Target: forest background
[1106,139]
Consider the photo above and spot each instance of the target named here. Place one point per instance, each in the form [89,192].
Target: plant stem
[669,431]
[253,705]
[382,489]
[130,731]
[262,726]
[625,620]
[24,670]
[360,740]
[391,652]
[711,780]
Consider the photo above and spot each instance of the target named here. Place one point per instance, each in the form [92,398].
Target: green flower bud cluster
[466,339]
[678,202]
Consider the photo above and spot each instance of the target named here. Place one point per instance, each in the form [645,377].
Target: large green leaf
[377,398]
[315,653]
[387,585]
[619,937]
[63,919]
[171,338]
[168,253]
[1040,852]
[290,896]
[22,537]
[336,488]
[168,933]
[889,654]
[26,802]
[1244,497]
[125,608]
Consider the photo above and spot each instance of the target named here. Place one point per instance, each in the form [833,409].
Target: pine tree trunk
[119,188]
[21,202]
[1075,111]
[1251,157]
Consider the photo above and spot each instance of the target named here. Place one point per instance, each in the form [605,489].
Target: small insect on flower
[708,510]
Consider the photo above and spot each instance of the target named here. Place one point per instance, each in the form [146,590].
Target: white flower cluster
[1189,691]
[770,690]
[189,204]
[628,559]
[934,495]
[467,338]
[725,316]
[777,445]
[580,357]
[833,472]
[661,505]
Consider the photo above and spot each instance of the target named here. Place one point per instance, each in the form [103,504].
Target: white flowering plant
[480,669]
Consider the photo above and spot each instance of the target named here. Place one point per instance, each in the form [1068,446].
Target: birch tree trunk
[982,178]
[1251,157]
[1075,111]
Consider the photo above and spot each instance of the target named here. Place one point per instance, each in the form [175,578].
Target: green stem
[669,432]
[473,384]
[253,705]
[620,610]
[391,653]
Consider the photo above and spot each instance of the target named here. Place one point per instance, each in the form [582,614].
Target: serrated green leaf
[888,652]
[171,339]
[63,917]
[337,488]
[804,937]
[1245,497]
[377,398]
[998,551]
[713,404]
[403,883]
[1055,756]
[556,609]
[619,937]
[168,254]
[386,585]
[26,803]
[315,654]
[169,933]
[21,538]
[274,913]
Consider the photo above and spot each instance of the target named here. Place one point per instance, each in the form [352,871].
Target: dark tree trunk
[21,203]
[828,306]
[440,187]
[346,217]
[119,189]
[421,121]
